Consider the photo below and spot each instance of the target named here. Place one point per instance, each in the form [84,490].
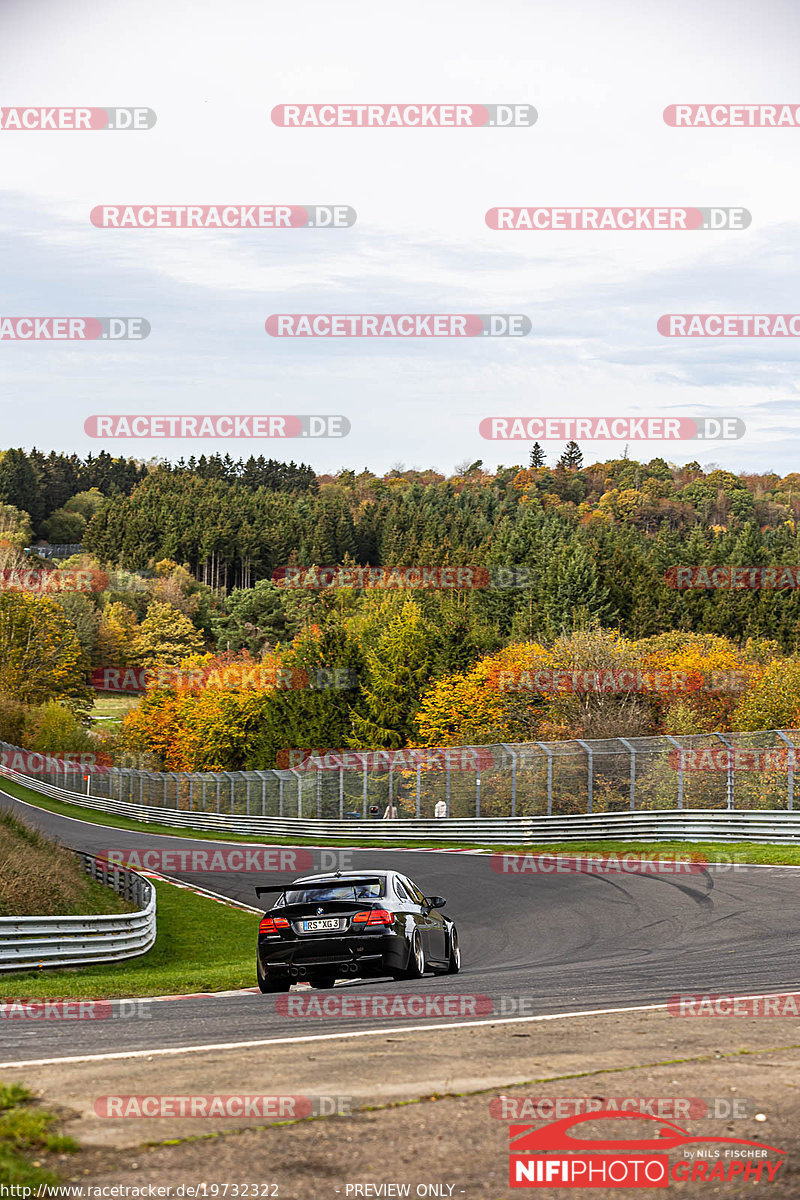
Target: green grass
[202,946]
[745,852]
[26,1129]
[109,708]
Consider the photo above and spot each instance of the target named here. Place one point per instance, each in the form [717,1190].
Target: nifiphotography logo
[555,1156]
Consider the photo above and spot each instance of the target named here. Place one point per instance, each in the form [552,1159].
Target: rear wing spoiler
[323,885]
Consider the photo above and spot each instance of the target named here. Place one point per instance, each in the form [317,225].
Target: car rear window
[339,891]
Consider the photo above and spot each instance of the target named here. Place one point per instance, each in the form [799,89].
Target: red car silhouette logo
[527,1139]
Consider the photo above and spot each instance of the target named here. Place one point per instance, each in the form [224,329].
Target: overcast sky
[599,74]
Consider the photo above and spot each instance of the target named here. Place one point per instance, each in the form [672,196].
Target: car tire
[322,981]
[268,985]
[452,964]
[416,958]
[454,955]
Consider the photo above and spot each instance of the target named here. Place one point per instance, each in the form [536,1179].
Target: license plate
[324,923]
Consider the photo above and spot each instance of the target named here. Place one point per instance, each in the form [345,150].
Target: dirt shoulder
[408,1128]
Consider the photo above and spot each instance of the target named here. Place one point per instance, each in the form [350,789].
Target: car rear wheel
[270,983]
[322,981]
[416,958]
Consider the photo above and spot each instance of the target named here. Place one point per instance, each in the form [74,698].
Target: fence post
[447,779]
[632,751]
[364,788]
[513,778]
[549,753]
[790,782]
[341,793]
[299,794]
[590,767]
[731,767]
[675,742]
[319,792]
[419,768]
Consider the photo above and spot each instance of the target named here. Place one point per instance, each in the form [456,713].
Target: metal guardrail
[718,825]
[63,550]
[38,941]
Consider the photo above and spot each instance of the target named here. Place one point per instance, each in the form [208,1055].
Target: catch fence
[716,771]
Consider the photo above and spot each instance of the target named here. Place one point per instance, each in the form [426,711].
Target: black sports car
[367,923]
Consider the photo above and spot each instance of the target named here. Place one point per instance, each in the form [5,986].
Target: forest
[574,567]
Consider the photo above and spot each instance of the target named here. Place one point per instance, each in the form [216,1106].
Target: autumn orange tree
[40,655]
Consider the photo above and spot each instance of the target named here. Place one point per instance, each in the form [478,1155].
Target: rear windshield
[337,891]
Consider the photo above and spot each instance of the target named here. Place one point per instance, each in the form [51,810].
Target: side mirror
[436,901]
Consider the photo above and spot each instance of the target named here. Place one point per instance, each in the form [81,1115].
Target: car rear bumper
[300,957]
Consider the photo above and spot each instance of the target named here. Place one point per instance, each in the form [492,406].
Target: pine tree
[536,456]
[572,458]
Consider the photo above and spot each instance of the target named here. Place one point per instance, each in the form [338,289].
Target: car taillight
[272,924]
[376,916]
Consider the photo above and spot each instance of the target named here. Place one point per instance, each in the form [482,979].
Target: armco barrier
[762,825]
[27,942]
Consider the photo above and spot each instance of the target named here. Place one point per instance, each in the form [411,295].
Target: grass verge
[202,946]
[740,852]
[25,1130]
[40,878]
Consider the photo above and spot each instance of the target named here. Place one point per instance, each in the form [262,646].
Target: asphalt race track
[536,944]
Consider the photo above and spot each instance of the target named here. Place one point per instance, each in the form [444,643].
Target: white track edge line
[161,1052]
